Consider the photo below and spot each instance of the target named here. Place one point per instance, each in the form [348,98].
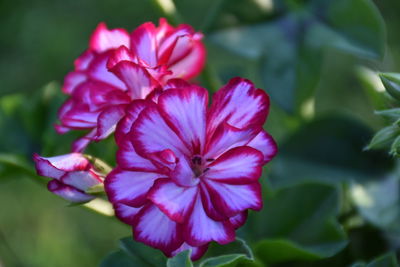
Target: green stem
[211,78]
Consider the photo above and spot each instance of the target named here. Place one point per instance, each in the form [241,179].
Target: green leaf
[180,260]
[384,137]
[228,255]
[393,113]
[291,46]
[391,81]
[142,254]
[300,221]
[382,212]
[387,260]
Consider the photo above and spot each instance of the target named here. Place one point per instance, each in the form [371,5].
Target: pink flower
[119,67]
[187,174]
[73,175]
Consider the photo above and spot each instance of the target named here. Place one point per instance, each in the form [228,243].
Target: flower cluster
[119,67]
[187,172]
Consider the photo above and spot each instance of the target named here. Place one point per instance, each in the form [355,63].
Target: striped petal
[175,201]
[56,167]
[185,111]
[201,229]
[68,192]
[265,143]
[104,39]
[129,187]
[155,229]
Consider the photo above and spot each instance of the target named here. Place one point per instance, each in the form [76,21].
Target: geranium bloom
[187,174]
[119,67]
[72,175]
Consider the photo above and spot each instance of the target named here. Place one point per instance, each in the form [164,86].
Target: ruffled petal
[56,167]
[107,121]
[72,80]
[68,192]
[233,199]
[266,144]
[226,137]
[237,221]
[183,174]
[240,165]
[83,61]
[128,159]
[136,78]
[155,229]
[129,187]
[81,180]
[185,112]
[151,134]
[131,114]
[200,229]
[98,71]
[191,64]
[126,213]
[239,104]
[120,54]
[143,43]
[175,201]
[104,39]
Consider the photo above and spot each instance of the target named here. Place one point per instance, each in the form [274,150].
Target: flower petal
[136,78]
[183,174]
[107,121]
[239,165]
[175,201]
[238,103]
[143,43]
[98,71]
[226,137]
[83,61]
[80,144]
[185,112]
[128,159]
[120,54]
[104,39]
[129,187]
[265,143]
[131,114]
[233,199]
[125,213]
[200,229]
[72,80]
[68,192]
[151,134]
[197,252]
[190,65]
[81,180]
[155,229]
[238,220]
[56,167]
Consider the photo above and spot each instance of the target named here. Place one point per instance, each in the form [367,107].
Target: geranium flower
[119,67]
[187,174]
[72,175]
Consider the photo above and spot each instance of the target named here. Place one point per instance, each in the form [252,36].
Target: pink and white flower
[119,67]
[72,175]
[187,174]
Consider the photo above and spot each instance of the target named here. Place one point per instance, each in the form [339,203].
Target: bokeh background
[328,202]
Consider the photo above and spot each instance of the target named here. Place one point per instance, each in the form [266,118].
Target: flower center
[199,165]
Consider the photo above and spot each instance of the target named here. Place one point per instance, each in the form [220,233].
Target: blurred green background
[327,203]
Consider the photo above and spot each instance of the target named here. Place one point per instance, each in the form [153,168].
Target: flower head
[187,173]
[119,67]
[72,175]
